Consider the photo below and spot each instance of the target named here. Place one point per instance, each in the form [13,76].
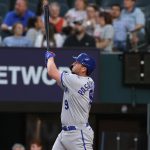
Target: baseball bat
[46,22]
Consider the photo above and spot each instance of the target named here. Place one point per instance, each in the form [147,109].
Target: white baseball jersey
[77,99]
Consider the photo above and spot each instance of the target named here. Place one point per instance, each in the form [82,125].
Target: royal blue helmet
[86,61]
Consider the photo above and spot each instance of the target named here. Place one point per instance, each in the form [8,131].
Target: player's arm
[7,23]
[103,43]
[52,70]
[4,27]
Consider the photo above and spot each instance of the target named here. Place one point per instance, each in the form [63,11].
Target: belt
[70,128]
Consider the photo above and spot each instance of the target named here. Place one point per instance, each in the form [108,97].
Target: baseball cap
[87,61]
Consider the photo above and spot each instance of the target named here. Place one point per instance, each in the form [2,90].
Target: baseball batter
[78,89]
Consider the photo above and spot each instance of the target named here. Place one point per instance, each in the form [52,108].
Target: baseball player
[78,89]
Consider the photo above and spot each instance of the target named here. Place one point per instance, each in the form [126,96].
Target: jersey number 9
[66,105]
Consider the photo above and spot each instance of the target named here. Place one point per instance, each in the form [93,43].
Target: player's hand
[48,55]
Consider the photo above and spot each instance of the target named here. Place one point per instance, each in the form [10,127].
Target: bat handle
[46,20]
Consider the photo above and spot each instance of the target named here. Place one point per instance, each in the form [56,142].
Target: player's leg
[79,139]
[58,144]
[87,138]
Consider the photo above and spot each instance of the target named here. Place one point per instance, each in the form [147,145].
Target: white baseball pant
[79,139]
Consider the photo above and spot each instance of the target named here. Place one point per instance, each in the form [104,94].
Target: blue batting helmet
[87,61]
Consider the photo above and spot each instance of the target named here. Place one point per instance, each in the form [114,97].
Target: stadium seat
[147,29]
[146,11]
[108,3]
[5,2]
[59,1]
[64,9]
[33,5]
[142,3]
[91,1]
[8,3]
[70,3]
[4,10]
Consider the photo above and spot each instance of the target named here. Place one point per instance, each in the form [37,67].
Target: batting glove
[48,55]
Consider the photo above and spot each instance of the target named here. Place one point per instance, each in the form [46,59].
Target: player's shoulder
[69,75]
[84,80]
[77,77]
[69,80]
[90,79]
[138,10]
[70,11]
[11,14]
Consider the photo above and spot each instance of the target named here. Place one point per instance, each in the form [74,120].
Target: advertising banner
[23,75]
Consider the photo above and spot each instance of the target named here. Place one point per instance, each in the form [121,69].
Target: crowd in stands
[85,25]
[33,145]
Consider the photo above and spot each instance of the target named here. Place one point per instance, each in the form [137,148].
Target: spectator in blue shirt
[121,28]
[19,14]
[17,39]
[134,16]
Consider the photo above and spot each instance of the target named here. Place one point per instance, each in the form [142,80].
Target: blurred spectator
[18,146]
[55,39]
[17,39]
[80,38]
[90,22]
[36,145]
[19,14]
[97,28]
[79,10]
[134,16]
[35,27]
[121,28]
[105,39]
[40,10]
[55,18]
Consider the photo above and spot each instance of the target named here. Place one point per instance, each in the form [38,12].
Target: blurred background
[115,33]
